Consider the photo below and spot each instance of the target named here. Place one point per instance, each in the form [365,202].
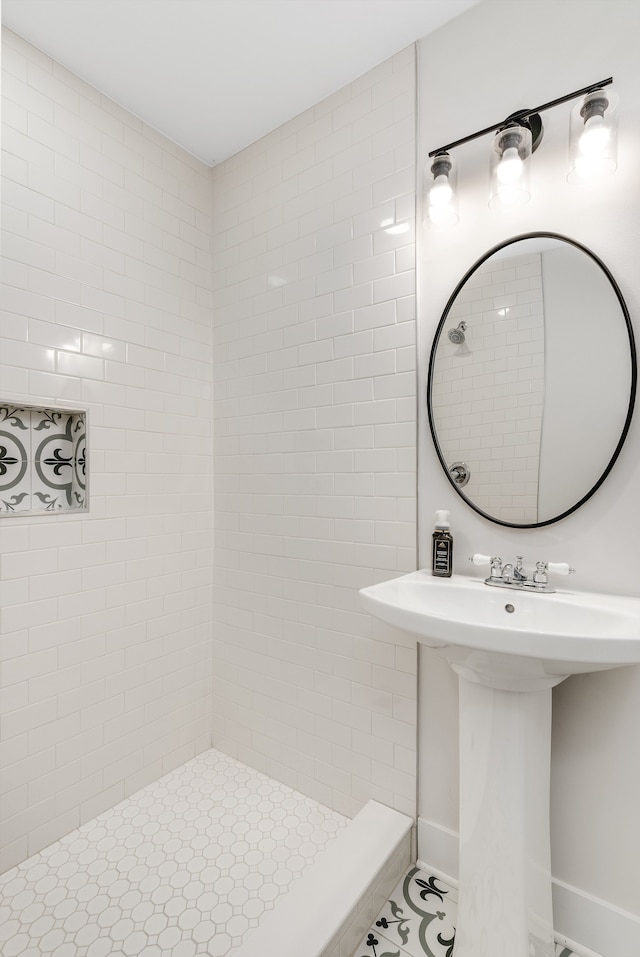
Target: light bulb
[441,192]
[594,139]
[441,196]
[510,166]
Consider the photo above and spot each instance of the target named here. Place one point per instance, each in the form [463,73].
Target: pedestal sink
[509,648]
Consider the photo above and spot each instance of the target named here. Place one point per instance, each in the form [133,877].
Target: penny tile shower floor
[418,920]
[183,868]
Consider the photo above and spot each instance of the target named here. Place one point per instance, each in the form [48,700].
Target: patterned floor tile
[419,916]
[418,920]
[376,946]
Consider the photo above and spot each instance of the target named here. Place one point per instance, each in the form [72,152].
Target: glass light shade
[510,166]
[441,201]
[593,137]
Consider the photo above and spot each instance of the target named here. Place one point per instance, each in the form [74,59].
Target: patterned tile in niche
[58,448]
[15,479]
[42,459]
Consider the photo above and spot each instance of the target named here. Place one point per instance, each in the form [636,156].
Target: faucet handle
[560,568]
[496,563]
[540,576]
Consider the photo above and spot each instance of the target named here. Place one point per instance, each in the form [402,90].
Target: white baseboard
[438,848]
[605,929]
[588,926]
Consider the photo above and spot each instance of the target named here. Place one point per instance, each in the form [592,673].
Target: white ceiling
[216,75]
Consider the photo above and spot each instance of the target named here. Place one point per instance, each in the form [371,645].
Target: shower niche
[43,460]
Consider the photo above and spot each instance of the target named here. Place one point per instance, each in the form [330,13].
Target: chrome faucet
[514,576]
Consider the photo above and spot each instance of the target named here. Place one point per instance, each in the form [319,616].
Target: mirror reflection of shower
[458,337]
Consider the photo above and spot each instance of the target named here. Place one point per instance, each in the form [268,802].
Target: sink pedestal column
[504,905]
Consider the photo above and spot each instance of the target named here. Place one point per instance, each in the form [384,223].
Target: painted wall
[596,765]
[105,305]
[315,462]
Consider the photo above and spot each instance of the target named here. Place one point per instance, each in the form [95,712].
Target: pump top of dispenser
[442,518]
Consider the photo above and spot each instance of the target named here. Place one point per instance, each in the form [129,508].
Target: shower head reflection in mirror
[458,337]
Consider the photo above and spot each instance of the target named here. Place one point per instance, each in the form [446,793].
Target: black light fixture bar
[522,115]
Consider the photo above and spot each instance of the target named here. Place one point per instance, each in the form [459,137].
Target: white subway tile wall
[105,306]
[315,434]
[478,420]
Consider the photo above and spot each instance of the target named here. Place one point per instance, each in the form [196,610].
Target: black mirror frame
[632,390]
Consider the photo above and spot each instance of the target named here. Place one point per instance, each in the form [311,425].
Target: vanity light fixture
[443,198]
[592,151]
[593,136]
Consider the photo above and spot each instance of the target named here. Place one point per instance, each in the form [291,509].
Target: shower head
[457,335]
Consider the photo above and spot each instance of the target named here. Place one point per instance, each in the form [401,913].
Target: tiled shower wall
[105,306]
[315,474]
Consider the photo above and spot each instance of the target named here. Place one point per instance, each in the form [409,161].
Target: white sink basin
[506,638]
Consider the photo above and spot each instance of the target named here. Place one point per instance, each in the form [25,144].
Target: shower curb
[327,911]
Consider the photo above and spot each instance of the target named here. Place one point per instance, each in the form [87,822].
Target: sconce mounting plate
[532,121]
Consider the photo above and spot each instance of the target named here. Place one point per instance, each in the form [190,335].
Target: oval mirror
[532,380]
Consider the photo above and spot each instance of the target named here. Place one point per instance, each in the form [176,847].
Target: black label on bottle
[442,556]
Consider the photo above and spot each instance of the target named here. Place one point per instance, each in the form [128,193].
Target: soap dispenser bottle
[442,551]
